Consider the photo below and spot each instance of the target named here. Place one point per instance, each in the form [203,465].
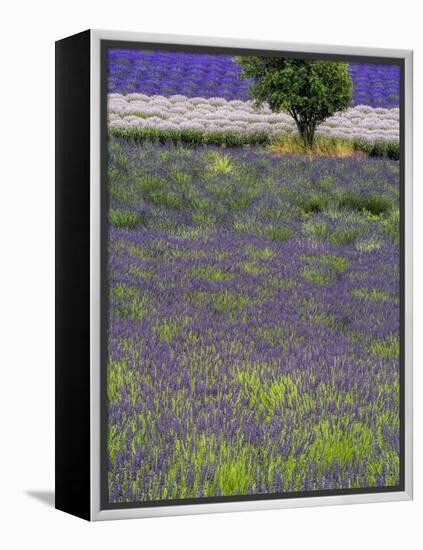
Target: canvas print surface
[253,276]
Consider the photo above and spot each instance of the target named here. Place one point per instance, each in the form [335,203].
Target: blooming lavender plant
[253,330]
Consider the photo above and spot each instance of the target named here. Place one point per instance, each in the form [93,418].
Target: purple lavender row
[205,75]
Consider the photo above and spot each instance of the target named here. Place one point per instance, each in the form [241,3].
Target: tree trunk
[306,131]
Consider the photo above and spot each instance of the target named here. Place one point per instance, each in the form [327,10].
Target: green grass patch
[150,252]
[277,233]
[226,302]
[342,237]
[252,268]
[245,227]
[274,335]
[137,271]
[121,194]
[179,177]
[211,273]
[368,246]
[337,263]
[388,348]
[116,377]
[391,225]
[128,302]
[370,294]
[315,276]
[315,202]
[193,138]
[219,163]
[316,229]
[259,253]
[322,269]
[340,443]
[167,329]
[125,219]
[375,204]
[167,199]
[232,195]
[150,184]
[266,396]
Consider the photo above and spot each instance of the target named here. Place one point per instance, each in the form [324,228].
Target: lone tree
[308,90]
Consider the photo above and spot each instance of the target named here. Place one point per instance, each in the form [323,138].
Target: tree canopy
[309,90]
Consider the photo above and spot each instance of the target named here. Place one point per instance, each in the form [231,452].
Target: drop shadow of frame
[46,497]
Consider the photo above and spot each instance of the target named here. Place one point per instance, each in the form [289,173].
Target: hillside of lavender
[206,75]
[174,91]
[253,313]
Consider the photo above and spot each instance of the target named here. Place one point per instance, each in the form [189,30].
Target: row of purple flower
[195,74]
[253,334]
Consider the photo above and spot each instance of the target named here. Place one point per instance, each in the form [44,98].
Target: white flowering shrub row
[218,114]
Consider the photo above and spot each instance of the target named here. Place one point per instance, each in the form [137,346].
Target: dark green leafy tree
[309,90]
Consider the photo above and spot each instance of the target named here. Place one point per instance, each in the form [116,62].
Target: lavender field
[192,74]
[253,332]
[177,91]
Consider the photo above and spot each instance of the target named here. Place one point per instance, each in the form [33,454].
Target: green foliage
[337,263]
[259,253]
[322,269]
[129,302]
[192,138]
[391,224]
[219,164]
[393,150]
[340,443]
[315,276]
[125,218]
[318,229]
[368,246]
[376,204]
[233,195]
[155,189]
[210,273]
[342,237]
[388,348]
[252,268]
[169,328]
[283,144]
[226,302]
[309,90]
[150,184]
[378,148]
[323,201]
[314,203]
[363,145]
[277,232]
[167,199]
[370,294]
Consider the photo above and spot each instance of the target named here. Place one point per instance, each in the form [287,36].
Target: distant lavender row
[218,114]
[194,74]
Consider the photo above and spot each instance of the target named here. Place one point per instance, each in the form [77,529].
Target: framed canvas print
[233,275]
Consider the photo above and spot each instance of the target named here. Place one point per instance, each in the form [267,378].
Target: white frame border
[96,512]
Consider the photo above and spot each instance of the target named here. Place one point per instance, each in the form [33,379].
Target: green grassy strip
[378,148]
[191,137]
